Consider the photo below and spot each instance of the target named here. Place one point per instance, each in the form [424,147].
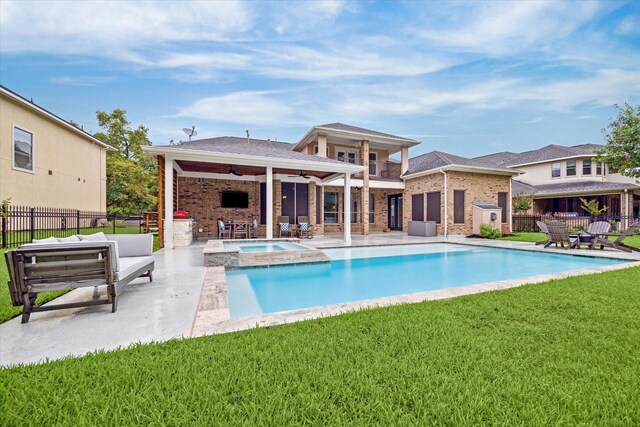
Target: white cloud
[82,80]
[501,28]
[247,107]
[628,26]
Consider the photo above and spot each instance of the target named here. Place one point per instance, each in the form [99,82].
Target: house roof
[29,104]
[356,129]
[437,160]
[544,154]
[235,150]
[568,188]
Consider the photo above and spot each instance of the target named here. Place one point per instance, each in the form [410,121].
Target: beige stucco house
[336,175]
[557,176]
[46,161]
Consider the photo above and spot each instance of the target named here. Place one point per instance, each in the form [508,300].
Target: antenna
[190,132]
[247,135]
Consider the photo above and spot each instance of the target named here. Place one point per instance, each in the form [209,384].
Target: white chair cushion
[70,239]
[97,237]
[47,241]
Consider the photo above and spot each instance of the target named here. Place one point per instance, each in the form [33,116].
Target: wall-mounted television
[234,199]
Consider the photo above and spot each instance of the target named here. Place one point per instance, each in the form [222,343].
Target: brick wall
[380,209]
[201,198]
[478,188]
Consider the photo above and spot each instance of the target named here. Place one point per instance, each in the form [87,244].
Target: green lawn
[539,237]
[565,352]
[8,311]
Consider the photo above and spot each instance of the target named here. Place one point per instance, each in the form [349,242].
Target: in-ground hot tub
[259,253]
[264,246]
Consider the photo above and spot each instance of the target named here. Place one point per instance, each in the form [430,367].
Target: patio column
[626,209]
[168,203]
[404,159]
[269,220]
[364,194]
[347,209]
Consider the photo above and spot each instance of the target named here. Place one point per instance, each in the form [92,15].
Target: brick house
[336,174]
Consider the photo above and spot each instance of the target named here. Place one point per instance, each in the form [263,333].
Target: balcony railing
[378,169]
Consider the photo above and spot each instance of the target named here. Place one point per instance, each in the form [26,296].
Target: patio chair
[543,227]
[254,229]
[240,229]
[603,239]
[223,230]
[558,234]
[304,227]
[593,230]
[283,226]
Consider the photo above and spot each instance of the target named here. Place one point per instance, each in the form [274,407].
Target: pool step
[216,255]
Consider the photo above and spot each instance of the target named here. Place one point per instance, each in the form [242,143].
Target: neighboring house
[46,161]
[336,174]
[556,177]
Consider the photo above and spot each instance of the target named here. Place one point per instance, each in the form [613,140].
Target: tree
[521,203]
[622,151]
[131,173]
[592,206]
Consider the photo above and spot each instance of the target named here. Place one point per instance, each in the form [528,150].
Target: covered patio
[274,180]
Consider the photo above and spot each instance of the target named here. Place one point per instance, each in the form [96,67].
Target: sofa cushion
[47,241]
[129,265]
[97,237]
[50,245]
[70,239]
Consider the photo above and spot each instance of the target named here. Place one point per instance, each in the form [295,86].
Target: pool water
[264,247]
[362,273]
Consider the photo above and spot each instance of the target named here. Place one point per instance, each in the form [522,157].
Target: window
[502,202]
[586,167]
[598,168]
[612,170]
[372,208]
[23,152]
[434,206]
[347,156]
[555,170]
[295,200]
[330,207]
[458,206]
[315,150]
[354,207]
[373,164]
[571,167]
[417,207]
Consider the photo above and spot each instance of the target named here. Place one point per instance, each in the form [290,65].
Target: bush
[488,232]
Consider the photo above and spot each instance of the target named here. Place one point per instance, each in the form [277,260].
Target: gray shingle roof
[438,159]
[349,128]
[255,147]
[550,152]
[521,188]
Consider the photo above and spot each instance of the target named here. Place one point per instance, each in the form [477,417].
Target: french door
[395,211]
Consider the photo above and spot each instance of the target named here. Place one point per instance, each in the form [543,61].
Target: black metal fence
[23,224]
[525,223]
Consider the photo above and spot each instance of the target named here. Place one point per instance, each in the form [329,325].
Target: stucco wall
[69,169]
[477,187]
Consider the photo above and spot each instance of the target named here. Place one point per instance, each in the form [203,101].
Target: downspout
[446,217]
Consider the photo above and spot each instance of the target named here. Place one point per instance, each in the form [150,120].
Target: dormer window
[571,168]
[586,167]
[555,170]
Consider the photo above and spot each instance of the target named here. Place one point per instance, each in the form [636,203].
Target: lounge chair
[283,226]
[558,234]
[543,227]
[304,227]
[595,228]
[602,239]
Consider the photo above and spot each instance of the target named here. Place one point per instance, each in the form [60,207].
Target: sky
[464,77]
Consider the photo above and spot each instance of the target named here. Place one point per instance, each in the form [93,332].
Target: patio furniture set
[55,264]
[241,229]
[597,234]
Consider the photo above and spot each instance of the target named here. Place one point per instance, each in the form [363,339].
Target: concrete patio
[174,305]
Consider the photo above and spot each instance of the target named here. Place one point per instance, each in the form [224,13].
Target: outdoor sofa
[75,262]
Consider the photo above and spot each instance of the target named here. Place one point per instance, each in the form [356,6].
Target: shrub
[488,232]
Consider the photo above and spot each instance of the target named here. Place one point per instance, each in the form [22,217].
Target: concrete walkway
[157,311]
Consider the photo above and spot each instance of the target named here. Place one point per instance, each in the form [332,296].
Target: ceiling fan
[232,171]
[300,175]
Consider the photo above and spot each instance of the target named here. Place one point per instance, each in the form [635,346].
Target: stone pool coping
[213,315]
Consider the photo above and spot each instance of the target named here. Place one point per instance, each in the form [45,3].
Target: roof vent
[247,135]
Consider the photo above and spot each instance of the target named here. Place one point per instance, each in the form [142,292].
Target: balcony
[378,170]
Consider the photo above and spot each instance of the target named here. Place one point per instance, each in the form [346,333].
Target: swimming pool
[264,247]
[356,274]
